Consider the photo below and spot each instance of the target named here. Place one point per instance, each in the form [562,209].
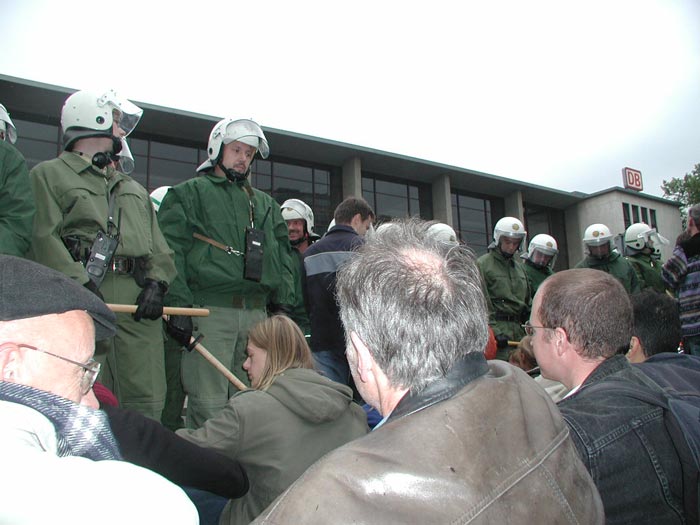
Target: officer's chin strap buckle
[194,343]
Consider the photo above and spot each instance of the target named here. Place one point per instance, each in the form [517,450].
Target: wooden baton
[167,310]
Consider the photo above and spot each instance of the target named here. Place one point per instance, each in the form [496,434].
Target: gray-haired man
[462,440]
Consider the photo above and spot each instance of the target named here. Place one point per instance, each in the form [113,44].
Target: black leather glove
[180,327]
[280,309]
[150,301]
[94,289]
[501,341]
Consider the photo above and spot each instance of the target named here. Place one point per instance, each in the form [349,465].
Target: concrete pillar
[352,178]
[442,199]
[514,206]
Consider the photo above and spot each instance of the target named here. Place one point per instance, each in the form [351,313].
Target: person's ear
[10,360]
[364,360]
[636,353]
[561,341]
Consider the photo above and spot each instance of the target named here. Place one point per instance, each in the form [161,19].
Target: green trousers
[132,361]
[225,336]
[175,396]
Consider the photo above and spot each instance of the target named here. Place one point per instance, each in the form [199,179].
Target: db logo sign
[632,179]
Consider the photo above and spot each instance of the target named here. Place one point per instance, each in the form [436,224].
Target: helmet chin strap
[233,175]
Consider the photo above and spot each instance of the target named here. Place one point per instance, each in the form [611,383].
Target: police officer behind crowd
[300,224]
[16,200]
[233,257]
[507,285]
[602,255]
[641,242]
[96,225]
[540,258]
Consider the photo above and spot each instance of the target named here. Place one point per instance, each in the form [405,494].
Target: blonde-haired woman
[290,418]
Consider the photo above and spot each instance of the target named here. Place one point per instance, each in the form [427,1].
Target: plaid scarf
[80,430]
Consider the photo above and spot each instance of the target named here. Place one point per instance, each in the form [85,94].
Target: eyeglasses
[530,330]
[91,368]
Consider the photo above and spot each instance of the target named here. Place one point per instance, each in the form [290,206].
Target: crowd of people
[371,375]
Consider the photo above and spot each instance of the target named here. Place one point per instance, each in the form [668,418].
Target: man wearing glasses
[58,452]
[581,326]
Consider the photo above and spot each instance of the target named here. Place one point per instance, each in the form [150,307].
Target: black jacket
[149,444]
[321,262]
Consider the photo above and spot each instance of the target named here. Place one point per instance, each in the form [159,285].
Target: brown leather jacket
[484,445]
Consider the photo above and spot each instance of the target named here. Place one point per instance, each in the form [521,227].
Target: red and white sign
[632,179]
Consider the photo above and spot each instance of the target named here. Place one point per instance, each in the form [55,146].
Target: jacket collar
[468,368]
[608,367]
[691,247]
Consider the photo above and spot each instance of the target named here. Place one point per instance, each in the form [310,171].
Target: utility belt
[522,318]
[241,302]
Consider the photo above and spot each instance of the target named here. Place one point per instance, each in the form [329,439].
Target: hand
[94,289]
[180,327]
[501,341]
[280,309]
[150,301]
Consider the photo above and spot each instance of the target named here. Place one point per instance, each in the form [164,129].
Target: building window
[472,221]
[37,142]
[391,199]
[635,213]
[645,215]
[626,215]
[638,214]
[290,181]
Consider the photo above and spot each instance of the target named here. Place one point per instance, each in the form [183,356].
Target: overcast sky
[552,92]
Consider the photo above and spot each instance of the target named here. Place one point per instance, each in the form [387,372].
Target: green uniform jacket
[72,200]
[508,293]
[278,433]
[648,271]
[16,202]
[615,265]
[536,275]
[220,210]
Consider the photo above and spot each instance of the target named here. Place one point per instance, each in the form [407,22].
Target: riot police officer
[97,225]
[507,285]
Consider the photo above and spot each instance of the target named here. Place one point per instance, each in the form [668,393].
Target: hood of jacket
[311,396]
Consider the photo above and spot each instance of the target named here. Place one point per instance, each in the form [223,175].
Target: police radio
[102,252]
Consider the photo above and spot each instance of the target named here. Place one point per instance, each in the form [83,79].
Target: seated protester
[59,457]
[290,418]
[657,325]
[580,321]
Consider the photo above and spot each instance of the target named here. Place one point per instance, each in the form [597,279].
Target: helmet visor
[248,132]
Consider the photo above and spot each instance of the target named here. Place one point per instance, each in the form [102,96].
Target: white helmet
[158,195]
[89,114]
[597,235]
[298,209]
[508,227]
[639,236]
[229,130]
[443,232]
[6,126]
[542,246]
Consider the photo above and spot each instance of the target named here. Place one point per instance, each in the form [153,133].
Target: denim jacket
[624,444]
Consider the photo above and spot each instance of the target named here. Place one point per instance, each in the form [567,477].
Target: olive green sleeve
[47,246]
[177,231]
[16,203]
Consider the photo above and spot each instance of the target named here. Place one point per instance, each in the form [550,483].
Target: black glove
[180,327]
[501,341]
[150,301]
[280,309]
[94,289]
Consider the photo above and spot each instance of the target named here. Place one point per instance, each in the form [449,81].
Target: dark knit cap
[29,289]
